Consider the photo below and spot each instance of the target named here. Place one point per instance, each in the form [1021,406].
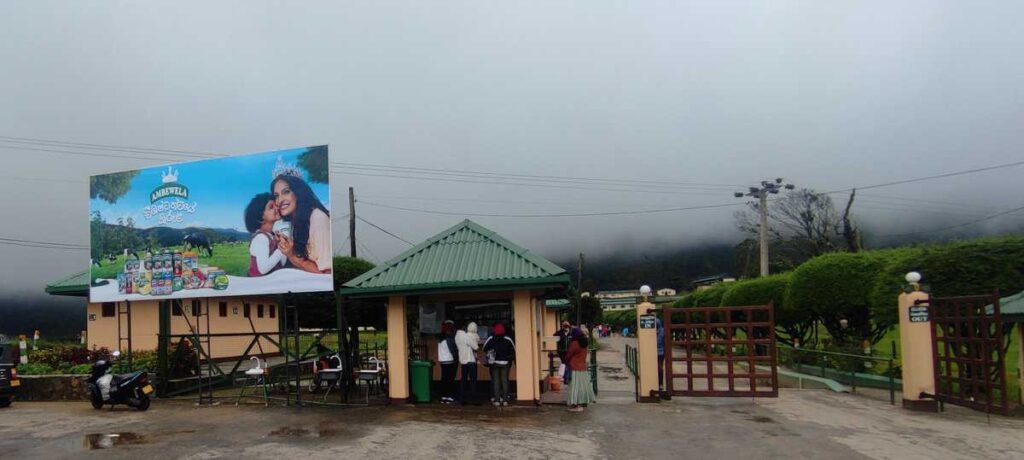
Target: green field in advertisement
[233,225]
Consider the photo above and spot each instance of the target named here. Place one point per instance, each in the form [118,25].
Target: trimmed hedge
[837,286]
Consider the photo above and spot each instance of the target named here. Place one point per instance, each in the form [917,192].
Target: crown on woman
[286,169]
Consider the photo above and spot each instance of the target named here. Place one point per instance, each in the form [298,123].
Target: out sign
[919,314]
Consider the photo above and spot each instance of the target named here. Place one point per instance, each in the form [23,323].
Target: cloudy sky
[671,104]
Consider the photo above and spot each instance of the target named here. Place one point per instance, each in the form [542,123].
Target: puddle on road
[108,440]
[323,430]
[760,419]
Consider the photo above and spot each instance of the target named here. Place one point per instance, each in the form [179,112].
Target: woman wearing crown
[308,247]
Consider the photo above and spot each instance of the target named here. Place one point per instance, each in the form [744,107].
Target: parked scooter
[132,390]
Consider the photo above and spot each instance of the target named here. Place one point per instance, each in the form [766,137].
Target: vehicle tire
[96,399]
[143,403]
[5,402]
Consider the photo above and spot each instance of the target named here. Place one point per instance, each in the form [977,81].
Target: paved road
[798,424]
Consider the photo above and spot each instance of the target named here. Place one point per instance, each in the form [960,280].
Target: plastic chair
[255,376]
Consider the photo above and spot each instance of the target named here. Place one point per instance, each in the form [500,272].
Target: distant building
[628,299]
[707,282]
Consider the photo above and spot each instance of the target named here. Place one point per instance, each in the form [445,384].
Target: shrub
[791,321]
[837,286]
[711,297]
[35,369]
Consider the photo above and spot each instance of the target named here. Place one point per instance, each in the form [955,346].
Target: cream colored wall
[103,331]
[398,349]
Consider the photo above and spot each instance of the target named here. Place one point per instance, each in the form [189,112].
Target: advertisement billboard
[228,226]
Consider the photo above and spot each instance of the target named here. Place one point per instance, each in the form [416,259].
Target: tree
[802,224]
[851,233]
[314,161]
[589,310]
[111,187]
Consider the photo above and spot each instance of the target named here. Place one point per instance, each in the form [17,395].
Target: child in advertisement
[260,216]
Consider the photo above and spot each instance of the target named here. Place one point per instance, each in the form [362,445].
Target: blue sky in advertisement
[218,192]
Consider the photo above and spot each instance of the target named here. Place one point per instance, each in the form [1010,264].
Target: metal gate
[720,351]
[967,343]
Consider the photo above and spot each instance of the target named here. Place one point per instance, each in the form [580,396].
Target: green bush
[78,369]
[954,269]
[837,286]
[791,321]
[711,297]
[35,369]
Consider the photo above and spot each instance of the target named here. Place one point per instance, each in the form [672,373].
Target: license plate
[147,389]
[16,383]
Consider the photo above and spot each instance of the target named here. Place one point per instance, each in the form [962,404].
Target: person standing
[563,340]
[447,352]
[660,332]
[468,342]
[581,391]
[501,353]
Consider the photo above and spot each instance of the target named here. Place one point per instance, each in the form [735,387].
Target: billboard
[231,226]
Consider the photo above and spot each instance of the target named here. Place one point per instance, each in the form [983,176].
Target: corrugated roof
[1011,308]
[466,255]
[74,285]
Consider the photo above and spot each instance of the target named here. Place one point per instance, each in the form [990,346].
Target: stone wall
[53,388]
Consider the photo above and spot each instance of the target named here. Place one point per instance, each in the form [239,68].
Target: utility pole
[768,187]
[579,291]
[352,221]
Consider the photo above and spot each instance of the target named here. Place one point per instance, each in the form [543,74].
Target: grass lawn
[233,258]
[1012,364]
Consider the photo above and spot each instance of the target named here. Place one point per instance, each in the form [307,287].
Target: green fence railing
[848,368]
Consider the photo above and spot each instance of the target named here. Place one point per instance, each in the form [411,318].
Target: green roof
[1011,308]
[75,285]
[464,257]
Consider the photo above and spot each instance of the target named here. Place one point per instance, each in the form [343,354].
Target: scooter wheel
[143,403]
[96,399]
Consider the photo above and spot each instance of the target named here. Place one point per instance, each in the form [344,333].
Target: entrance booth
[466,273]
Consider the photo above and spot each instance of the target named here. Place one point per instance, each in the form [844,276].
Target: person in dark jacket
[501,352]
[563,340]
[447,355]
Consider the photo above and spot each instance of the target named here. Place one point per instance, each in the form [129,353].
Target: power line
[368,251]
[588,214]
[520,184]
[32,141]
[52,243]
[964,224]
[937,176]
[411,169]
[385,231]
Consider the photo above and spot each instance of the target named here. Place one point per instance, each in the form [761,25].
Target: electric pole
[768,187]
[579,291]
[352,221]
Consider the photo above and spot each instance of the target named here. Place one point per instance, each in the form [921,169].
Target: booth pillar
[398,350]
[526,356]
[1020,362]
[917,355]
[647,356]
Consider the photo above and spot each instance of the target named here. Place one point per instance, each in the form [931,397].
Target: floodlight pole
[352,221]
[763,231]
[768,187]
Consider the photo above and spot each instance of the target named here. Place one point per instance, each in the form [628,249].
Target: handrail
[833,353]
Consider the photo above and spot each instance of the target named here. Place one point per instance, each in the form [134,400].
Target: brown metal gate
[967,342]
[720,351]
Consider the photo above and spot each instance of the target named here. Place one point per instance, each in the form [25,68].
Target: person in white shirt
[468,342]
[260,215]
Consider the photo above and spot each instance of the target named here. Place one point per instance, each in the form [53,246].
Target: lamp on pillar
[645,292]
[914,279]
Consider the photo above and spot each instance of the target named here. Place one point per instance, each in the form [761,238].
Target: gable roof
[76,285]
[465,256]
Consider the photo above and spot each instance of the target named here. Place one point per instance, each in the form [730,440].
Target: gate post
[647,351]
[916,349]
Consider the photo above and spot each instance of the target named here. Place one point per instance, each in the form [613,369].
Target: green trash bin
[420,373]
